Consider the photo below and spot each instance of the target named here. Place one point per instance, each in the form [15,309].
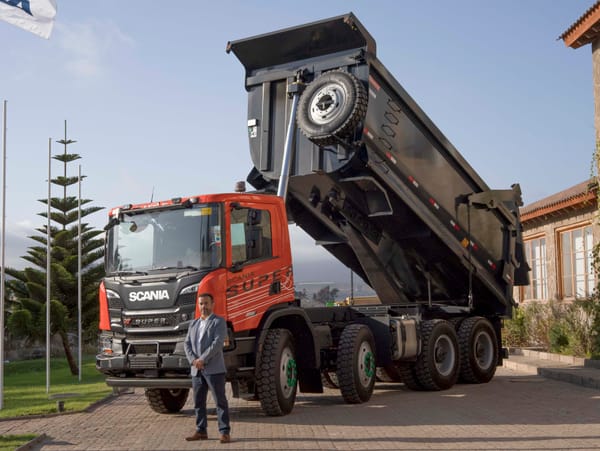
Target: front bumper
[141,362]
[150,382]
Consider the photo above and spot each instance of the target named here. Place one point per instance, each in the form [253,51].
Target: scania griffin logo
[155,295]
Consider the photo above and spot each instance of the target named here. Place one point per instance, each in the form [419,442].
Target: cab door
[257,276]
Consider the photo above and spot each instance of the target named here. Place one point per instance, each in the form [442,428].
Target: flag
[36,16]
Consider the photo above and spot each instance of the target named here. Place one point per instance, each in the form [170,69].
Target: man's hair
[207,295]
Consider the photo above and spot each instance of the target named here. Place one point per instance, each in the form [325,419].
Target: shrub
[557,326]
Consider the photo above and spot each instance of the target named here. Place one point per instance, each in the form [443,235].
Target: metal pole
[79,273]
[48,259]
[351,287]
[65,165]
[287,152]
[2,279]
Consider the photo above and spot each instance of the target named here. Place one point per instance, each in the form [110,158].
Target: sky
[158,108]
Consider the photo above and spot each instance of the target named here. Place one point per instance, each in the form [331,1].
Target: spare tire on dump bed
[331,107]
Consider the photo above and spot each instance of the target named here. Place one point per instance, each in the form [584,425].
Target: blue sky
[156,104]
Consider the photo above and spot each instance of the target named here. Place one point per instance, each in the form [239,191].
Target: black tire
[409,377]
[164,400]
[388,373]
[356,363]
[331,107]
[478,350]
[329,379]
[438,365]
[277,373]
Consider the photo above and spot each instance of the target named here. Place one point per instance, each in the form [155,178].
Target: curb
[87,409]
[31,443]
[570,376]
[573,370]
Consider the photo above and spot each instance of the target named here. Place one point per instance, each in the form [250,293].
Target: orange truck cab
[161,255]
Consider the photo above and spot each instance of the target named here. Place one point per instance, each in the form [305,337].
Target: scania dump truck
[340,149]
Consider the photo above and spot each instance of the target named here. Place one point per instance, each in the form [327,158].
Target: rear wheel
[331,107]
[329,379]
[277,373]
[163,400]
[478,350]
[388,373]
[438,365]
[356,363]
[409,376]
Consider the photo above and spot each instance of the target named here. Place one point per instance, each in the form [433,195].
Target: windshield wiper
[128,273]
[193,268]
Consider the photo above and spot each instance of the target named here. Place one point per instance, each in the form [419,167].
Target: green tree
[326,294]
[28,288]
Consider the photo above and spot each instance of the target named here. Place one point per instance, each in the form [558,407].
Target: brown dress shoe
[225,438]
[197,436]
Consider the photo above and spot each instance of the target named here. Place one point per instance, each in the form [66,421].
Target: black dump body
[392,198]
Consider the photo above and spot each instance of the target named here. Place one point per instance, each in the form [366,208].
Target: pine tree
[28,289]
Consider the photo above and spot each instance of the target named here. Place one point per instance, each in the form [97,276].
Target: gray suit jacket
[211,347]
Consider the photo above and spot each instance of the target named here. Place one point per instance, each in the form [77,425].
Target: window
[577,274]
[535,251]
[186,237]
[250,235]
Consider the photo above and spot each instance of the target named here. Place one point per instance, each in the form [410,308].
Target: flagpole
[48,259]
[79,272]
[2,263]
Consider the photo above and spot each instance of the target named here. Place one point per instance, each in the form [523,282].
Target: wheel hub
[325,104]
[366,364]
[288,376]
[484,350]
[444,355]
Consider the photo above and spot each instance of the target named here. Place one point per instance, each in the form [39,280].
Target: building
[559,233]
[561,230]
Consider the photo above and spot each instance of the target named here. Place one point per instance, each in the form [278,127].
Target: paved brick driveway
[514,411]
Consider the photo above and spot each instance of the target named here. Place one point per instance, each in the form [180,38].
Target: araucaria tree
[28,288]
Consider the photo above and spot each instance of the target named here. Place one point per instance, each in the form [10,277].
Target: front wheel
[164,400]
[277,373]
[356,363]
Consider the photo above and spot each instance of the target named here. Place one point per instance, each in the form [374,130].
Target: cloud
[90,47]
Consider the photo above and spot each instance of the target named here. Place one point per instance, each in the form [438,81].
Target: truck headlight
[108,345]
[191,289]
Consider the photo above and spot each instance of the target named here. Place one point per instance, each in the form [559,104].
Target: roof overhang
[585,30]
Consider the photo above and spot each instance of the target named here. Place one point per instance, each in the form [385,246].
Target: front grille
[145,321]
[115,303]
[150,348]
[143,362]
[187,299]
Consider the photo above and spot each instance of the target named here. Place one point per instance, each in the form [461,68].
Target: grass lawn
[25,386]
[11,442]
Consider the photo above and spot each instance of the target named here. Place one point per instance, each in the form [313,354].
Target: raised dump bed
[371,178]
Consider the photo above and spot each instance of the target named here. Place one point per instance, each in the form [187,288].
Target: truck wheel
[329,379]
[331,107]
[163,400]
[388,373]
[438,365]
[356,363]
[408,376]
[478,350]
[277,374]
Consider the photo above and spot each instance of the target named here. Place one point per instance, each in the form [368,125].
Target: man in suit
[204,350]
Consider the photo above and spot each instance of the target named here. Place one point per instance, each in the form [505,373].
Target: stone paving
[513,411]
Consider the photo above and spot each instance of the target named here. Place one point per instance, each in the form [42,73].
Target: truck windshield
[182,238]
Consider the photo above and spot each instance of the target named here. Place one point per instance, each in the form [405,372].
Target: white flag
[36,16]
